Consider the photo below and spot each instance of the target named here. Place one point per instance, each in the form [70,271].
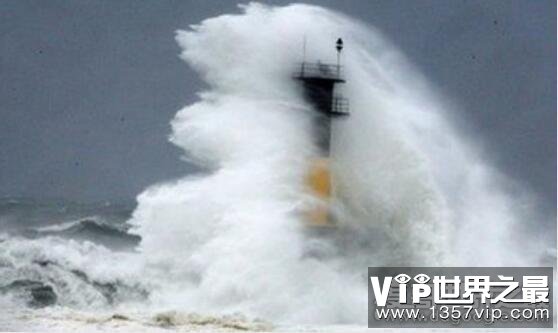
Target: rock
[42,296]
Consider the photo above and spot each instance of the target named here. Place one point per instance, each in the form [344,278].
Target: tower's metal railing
[320,71]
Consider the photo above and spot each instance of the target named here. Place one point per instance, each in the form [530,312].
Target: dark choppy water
[37,235]
[102,223]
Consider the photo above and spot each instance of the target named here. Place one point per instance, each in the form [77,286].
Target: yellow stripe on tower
[319,181]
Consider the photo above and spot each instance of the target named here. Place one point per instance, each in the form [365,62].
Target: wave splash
[410,189]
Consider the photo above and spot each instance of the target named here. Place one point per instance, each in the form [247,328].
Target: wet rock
[42,296]
[38,294]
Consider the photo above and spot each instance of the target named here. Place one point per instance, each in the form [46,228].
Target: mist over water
[409,190]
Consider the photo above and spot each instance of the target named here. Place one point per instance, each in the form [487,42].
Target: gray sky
[87,88]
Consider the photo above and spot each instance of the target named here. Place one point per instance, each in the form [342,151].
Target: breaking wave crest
[112,235]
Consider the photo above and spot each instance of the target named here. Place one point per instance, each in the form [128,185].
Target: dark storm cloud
[87,88]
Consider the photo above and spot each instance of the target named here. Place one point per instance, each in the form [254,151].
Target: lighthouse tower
[319,81]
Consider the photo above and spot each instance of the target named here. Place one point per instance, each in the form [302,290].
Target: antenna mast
[304,49]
